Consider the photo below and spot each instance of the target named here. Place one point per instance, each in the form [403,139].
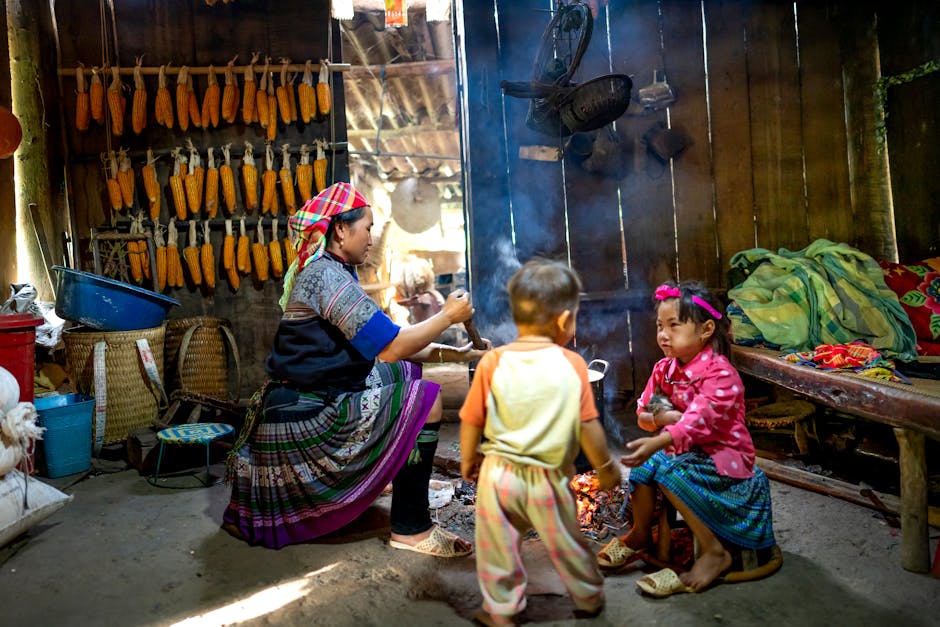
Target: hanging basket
[596,103]
[197,358]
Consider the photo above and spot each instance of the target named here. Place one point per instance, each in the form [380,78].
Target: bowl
[106,304]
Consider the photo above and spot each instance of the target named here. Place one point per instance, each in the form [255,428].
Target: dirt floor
[125,552]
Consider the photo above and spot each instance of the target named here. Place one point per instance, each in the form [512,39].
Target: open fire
[600,512]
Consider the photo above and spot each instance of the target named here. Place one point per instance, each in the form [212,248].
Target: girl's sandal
[439,544]
[662,584]
[618,555]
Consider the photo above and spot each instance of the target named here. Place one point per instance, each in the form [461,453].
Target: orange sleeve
[588,406]
[473,410]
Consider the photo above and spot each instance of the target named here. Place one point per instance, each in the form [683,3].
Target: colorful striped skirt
[736,510]
[309,465]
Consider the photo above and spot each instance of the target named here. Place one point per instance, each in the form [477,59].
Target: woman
[332,427]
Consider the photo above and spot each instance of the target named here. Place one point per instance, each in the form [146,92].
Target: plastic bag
[23,300]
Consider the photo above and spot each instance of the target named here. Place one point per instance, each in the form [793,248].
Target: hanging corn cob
[284,93]
[182,98]
[228,256]
[160,254]
[176,183]
[305,175]
[269,202]
[125,178]
[227,178]
[139,109]
[230,95]
[307,94]
[290,253]
[243,250]
[194,180]
[82,100]
[192,101]
[212,185]
[259,255]
[174,269]
[261,97]
[271,128]
[207,257]
[133,253]
[210,101]
[250,92]
[149,174]
[292,98]
[142,248]
[324,97]
[96,97]
[116,102]
[163,104]
[319,166]
[191,255]
[274,252]
[250,179]
[114,188]
[287,181]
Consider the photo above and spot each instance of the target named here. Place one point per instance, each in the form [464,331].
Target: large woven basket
[196,356]
[132,400]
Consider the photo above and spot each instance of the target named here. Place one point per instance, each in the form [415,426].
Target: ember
[599,511]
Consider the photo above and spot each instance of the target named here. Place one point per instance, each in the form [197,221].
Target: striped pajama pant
[511,500]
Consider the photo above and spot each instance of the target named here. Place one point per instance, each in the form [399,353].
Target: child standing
[707,471]
[532,401]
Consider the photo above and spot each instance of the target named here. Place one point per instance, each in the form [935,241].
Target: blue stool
[194,433]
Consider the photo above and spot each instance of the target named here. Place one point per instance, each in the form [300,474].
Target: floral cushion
[918,289]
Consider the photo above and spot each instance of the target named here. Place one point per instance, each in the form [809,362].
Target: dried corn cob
[233,279]
[274,252]
[133,254]
[182,98]
[174,269]
[82,101]
[287,181]
[114,188]
[324,98]
[163,104]
[139,111]
[271,128]
[307,94]
[228,246]
[259,255]
[116,102]
[212,186]
[207,256]
[243,247]
[305,174]
[125,178]
[160,254]
[250,178]
[319,166]
[191,255]
[176,183]
[269,183]
[192,102]
[210,101]
[149,174]
[194,180]
[249,93]
[230,93]
[96,97]
[227,178]
[284,93]
[142,248]
[290,253]
[261,97]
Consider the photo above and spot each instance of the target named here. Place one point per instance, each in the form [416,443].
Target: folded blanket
[827,293]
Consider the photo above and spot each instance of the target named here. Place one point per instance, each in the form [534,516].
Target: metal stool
[193,433]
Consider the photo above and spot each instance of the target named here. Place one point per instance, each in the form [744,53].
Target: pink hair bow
[667,291]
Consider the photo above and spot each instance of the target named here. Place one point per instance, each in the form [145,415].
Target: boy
[532,401]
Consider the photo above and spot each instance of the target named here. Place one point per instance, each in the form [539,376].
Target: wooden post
[32,158]
[915,544]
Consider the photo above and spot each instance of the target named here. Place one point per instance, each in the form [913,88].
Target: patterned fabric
[858,357]
[709,393]
[309,465]
[824,294]
[736,510]
[506,493]
[195,433]
[918,289]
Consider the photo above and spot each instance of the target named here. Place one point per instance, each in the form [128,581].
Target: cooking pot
[597,370]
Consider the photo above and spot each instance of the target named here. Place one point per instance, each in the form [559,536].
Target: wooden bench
[912,410]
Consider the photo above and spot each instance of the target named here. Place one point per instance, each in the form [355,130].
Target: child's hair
[690,310]
[541,289]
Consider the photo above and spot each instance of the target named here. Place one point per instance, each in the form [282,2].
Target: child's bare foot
[708,566]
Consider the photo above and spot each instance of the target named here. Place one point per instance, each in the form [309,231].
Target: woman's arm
[411,340]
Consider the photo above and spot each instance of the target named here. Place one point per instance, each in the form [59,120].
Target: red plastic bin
[18,355]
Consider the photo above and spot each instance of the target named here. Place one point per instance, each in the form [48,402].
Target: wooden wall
[777,101]
[189,32]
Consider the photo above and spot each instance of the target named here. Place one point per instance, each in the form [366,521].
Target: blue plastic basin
[106,304]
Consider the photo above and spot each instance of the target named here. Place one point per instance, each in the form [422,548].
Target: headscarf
[309,225]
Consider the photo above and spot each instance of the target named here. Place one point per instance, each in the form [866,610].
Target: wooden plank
[692,170]
[8,231]
[773,75]
[825,151]
[730,128]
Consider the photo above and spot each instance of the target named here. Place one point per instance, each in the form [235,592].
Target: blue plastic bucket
[65,448]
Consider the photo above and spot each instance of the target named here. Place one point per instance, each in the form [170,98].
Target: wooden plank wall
[775,99]
[190,32]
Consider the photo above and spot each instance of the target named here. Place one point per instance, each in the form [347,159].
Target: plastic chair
[194,433]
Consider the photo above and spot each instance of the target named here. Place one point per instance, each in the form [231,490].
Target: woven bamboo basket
[132,401]
[196,356]
[779,414]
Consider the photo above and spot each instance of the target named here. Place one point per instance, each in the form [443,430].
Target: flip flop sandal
[662,584]
[439,544]
[618,555]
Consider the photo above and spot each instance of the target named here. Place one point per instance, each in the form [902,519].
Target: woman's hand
[643,449]
[457,307]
